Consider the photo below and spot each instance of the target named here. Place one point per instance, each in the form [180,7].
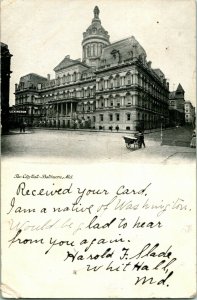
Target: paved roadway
[85,146]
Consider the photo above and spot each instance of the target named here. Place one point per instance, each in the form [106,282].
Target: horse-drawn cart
[131,142]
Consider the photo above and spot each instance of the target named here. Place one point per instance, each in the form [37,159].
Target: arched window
[128,99]
[88,92]
[82,93]
[74,76]
[58,81]
[99,49]
[101,85]
[102,103]
[91,52]
[94,49]
[117,81]
[88,50]
[128,78]
[111,83]
[117,101]
[68,77]
[64,79]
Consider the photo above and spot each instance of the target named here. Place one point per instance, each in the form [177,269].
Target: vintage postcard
[98,143]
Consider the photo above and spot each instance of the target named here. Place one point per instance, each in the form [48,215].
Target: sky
[40,33]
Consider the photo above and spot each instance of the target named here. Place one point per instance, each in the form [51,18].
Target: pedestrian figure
[20,126]
[141,139]
[117,128]
[24,124]
[111,128]
[193,140]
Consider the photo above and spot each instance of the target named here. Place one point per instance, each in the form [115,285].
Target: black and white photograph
[96,87]
[98,146]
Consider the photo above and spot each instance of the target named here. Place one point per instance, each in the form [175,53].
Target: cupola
[95,38]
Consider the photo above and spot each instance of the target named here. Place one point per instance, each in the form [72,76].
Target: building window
[101,118]
[88,50]
[128,117]
[94,119]
[102,104]
[111,103]
[117,117]
[128,99]
[74,76]
[111,117]
[111,83]
[128,78]
[117,81]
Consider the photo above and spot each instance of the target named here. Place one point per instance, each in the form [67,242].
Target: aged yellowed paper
[98,188]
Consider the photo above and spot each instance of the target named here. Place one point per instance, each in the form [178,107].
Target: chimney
[149,64]
[48,76]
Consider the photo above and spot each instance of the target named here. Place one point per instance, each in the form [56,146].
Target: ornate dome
[96,29]
[95,38]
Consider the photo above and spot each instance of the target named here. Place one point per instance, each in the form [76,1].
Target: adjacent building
[27,107]
[189,113]
[5,86]
[177,106]
[112,85]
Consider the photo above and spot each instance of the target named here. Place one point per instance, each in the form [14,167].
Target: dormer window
[114,53]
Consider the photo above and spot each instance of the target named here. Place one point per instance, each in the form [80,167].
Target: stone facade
[114,85]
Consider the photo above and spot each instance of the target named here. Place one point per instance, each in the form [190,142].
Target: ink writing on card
[101,226]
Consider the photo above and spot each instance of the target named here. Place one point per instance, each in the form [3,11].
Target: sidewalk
[155,153]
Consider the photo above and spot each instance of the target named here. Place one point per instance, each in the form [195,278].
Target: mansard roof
[68,62]
[33,75]
[159,73]
[126,47]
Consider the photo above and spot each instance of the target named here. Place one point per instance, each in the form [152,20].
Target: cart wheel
[136,145]
[128,145]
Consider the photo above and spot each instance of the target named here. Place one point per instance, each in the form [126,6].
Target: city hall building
[112,85]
